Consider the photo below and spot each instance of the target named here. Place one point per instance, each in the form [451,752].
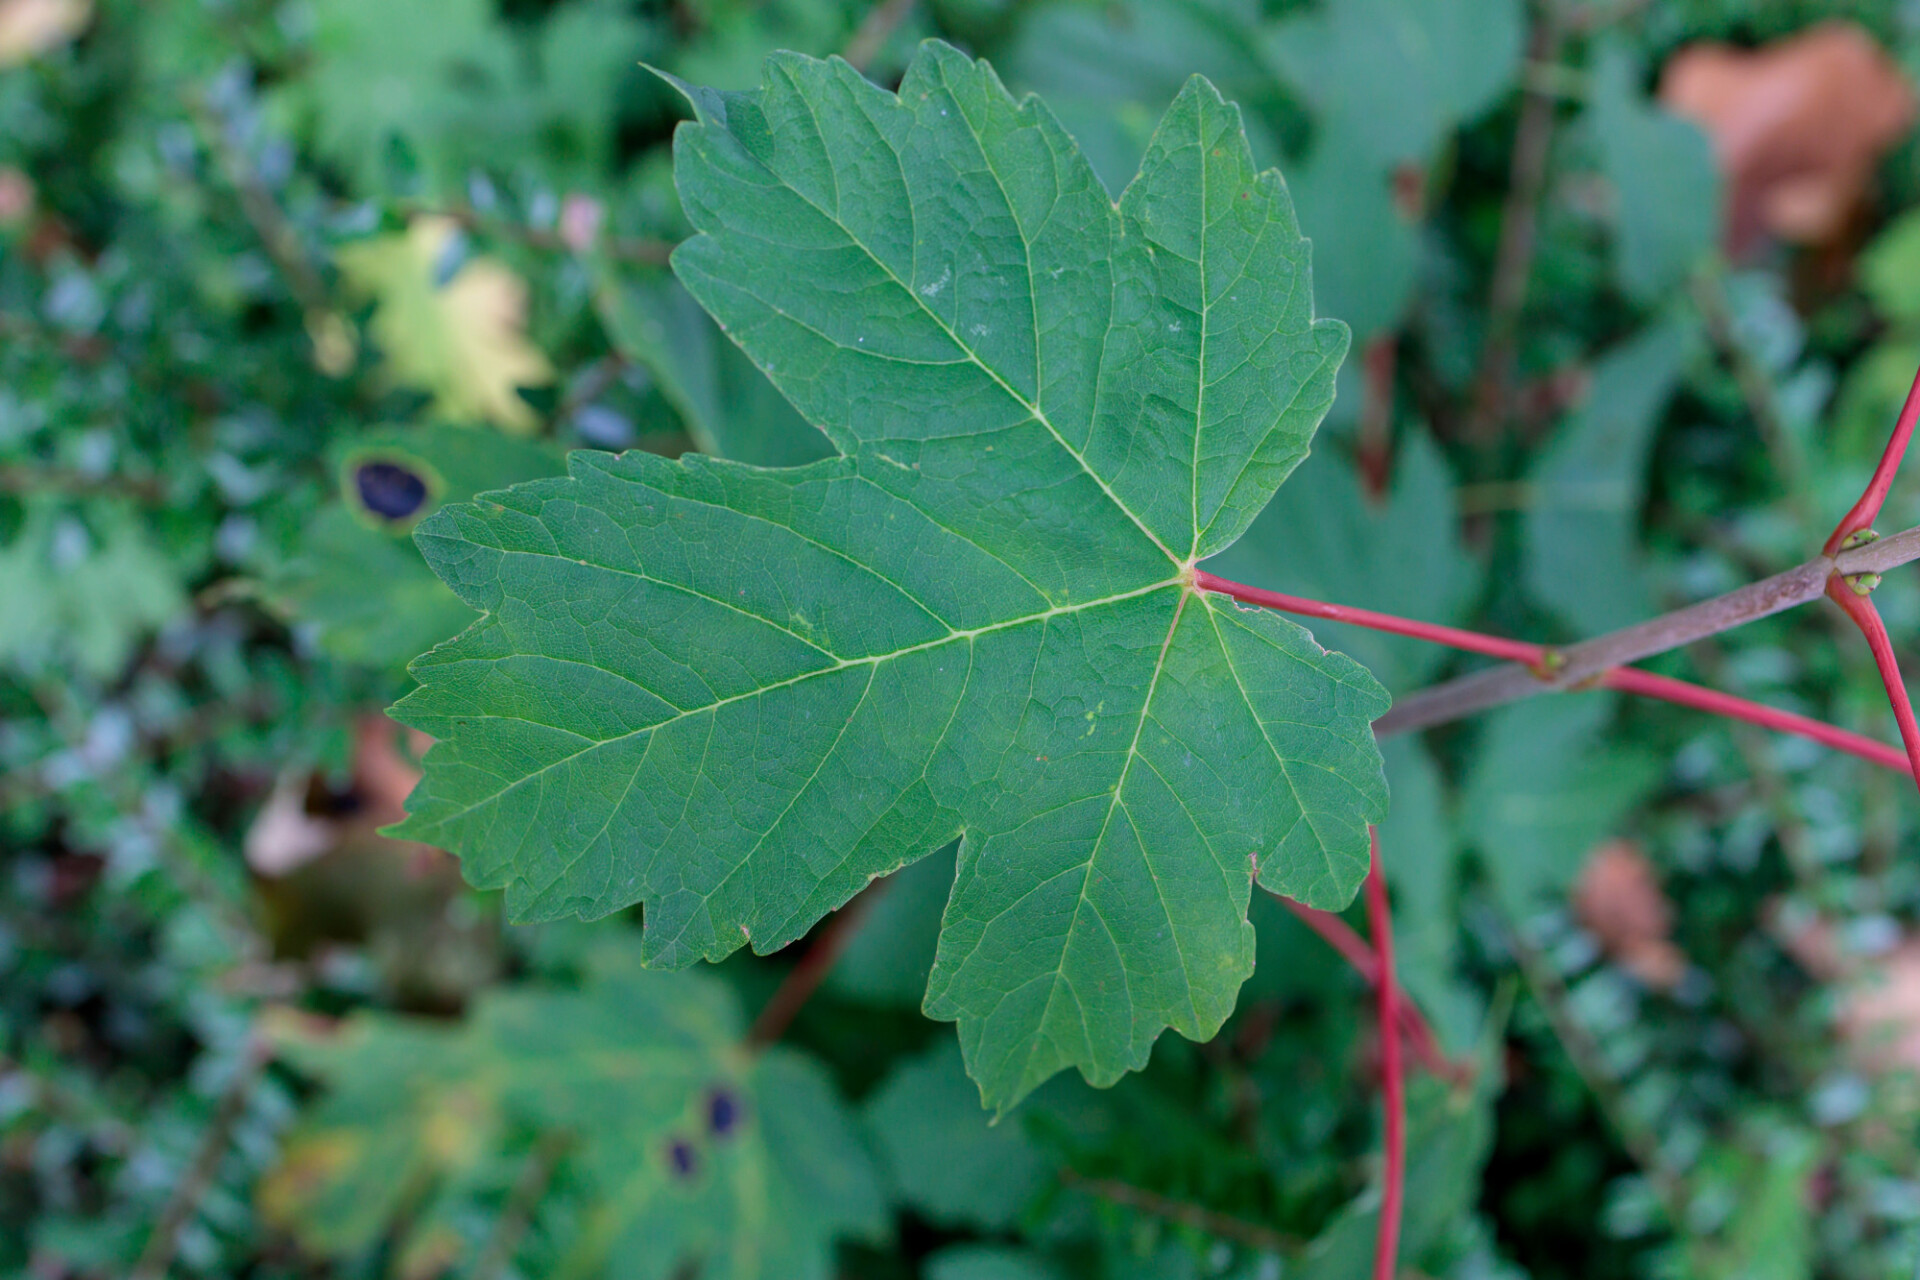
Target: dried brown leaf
[1797,126]
[1619,900]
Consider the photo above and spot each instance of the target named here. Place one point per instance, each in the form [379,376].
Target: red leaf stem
[1355,951]
[1649,685]
[1337,934]
[815,963]
[1860,608]
[1472,641]
[1864,511]
[1626,679]
[1393,1083]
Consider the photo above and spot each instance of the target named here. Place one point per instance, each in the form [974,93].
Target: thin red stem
[1355,951]
[1337,934]
[1860,608]
[1625,679]
[778,1013]
[1455,637]
[1393,1083]
[1648,685]
[1864,511]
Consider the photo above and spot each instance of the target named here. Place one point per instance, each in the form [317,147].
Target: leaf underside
[739,695]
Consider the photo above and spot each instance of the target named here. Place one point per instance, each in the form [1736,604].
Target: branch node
[1858,538]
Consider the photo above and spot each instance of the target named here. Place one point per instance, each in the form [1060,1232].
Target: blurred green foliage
[212,1064]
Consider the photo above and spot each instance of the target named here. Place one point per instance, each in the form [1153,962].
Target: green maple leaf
[690,1155]
[740,694]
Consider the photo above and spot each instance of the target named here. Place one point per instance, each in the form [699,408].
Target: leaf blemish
[390,490]
[723,1112]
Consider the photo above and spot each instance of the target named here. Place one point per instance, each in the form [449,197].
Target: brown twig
[516,1215]
[1756,388]
[806,976]
[158,1253]
[1577,664]
[1519,224]
[21,479]
[592,384]
[1199,1217]
[874,31]
[80,348]
[1583,1051]
[262,212]
[1594,16]
[647,251]
[1374,446]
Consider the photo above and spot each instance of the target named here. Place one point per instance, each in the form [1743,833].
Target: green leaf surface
[1583,556]
[85,584]
[1392,77]
[382,71]
[1665,185]
[1388,81]
[1107,69]
[1367,248]
[451,86]
[740,695]
[988,1262]
[1543,790]
[947,1160]
[1753,1214]
[1890,270]
[625,1078]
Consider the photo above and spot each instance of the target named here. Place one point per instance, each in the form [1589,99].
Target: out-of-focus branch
[875,30]
[194,1184]
[1519,225]
[1199,1217]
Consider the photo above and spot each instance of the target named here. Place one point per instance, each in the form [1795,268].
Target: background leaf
[1660,167]
[692,1153]
[1540,795]
[1583,554]
[448,324]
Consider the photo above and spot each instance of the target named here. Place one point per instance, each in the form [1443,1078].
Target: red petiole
[1855,603]
[1864,511]
[1860,608]
[1520,651]
[1626,679]
[1667,689]
[1352,948]
[1393,1083]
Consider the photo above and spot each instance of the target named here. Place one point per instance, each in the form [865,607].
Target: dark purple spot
[682,1158]
[723,1112]
[390,490]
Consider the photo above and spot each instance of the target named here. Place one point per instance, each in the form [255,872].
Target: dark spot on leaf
[390,490]
[723,1112]
[682,1159]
